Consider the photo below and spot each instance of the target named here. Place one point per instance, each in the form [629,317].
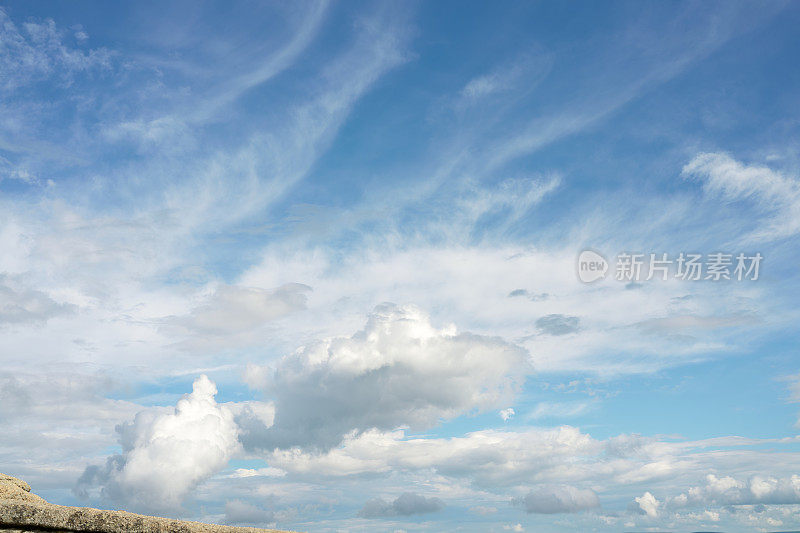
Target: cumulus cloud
[167,453]
[560,499]
[776,195]
[408,503]
[507,414]
[727,490]
[399,370]
[647,504]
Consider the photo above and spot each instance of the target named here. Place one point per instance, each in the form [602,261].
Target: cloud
[406,504]
[525,73]
[727,490]
[777,196]
[507,414]
[558,409]
[231,309]
[37,50]
[400,370]
[560,499]
[558,324]
[532,297]
[53,419]
[28,306]
[647,504]
[470,284]
[241,513]
[166,454]
[487,458]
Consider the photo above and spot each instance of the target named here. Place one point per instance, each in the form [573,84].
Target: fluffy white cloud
[648,504]
[166,454]
[727,490]
[400,370]
[559,499]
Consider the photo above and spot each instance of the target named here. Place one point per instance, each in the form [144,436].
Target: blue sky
[314,265]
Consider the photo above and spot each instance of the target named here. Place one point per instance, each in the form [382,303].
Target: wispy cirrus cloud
[774,194]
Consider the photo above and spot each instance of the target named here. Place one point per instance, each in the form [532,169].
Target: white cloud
[506,414]
[487,458]
[520,76]
[400,370]
[166,454]
[727,490]
[776,195]
[470,285]
[37,50]
[648,504]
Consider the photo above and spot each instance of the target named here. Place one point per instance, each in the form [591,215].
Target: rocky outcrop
[24,512]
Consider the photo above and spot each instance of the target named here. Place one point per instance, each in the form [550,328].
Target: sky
[404,266]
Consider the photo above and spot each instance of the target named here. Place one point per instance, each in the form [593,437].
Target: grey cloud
[29,306]
[231,309]
[562,499]
[407,504]
[50,422]
[534,297]
[558,324]
[241,513]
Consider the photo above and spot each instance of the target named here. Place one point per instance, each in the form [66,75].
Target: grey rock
[24,512]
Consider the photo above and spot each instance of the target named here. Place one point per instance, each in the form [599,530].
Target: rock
[24,512]
[15,489]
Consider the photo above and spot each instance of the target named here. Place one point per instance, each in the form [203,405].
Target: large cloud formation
[166,454]
[399,370]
